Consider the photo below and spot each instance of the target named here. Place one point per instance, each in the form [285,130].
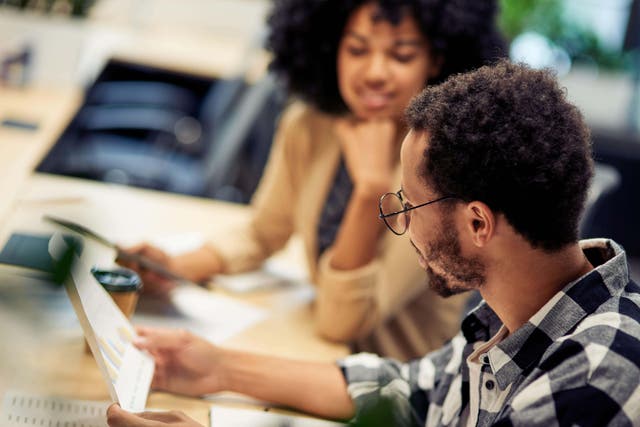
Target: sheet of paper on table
[274,273]
[126,370]
[234,417]
[20,409]
[212,316]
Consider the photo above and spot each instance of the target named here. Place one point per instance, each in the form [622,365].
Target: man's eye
[407,206]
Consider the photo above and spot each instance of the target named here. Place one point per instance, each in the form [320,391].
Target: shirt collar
[523,349]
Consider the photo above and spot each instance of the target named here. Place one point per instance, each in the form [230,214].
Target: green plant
[547,17]
[67,7]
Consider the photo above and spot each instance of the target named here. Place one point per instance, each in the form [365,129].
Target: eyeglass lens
[391,203]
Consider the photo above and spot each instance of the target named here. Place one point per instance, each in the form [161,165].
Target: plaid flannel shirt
[575,362]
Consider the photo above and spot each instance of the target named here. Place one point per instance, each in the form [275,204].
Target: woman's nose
[377,70]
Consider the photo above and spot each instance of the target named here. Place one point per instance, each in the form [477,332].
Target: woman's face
[381,66]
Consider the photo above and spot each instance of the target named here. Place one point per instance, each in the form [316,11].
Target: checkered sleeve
[400,394]
[590,379]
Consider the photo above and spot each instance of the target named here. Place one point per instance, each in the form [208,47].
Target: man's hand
[118,417]
[185,364]
[191,366]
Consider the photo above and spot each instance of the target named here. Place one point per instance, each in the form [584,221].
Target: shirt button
[489,384]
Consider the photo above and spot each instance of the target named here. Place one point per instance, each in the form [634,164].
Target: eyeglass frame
[405,209]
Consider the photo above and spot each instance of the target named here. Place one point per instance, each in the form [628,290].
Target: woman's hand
[154,283]
[370,151]
[118,417]
[185,363]
[198,266]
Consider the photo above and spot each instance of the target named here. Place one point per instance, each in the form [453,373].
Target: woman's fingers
[118,417]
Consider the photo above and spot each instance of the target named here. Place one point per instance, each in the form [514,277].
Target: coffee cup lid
[117,279]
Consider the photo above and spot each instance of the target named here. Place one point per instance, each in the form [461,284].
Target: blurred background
[177,97]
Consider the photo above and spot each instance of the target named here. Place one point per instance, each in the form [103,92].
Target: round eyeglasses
[394,211]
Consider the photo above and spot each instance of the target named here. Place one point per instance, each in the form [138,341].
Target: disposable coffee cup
[123,285]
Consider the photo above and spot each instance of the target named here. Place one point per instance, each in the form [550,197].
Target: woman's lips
[375,100]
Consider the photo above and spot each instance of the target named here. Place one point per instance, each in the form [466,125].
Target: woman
[354,66]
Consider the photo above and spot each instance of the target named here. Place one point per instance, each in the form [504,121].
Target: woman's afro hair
[304,37]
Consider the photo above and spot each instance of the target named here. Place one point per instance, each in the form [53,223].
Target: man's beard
[460,274]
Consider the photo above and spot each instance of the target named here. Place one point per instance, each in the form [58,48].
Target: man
[495,175]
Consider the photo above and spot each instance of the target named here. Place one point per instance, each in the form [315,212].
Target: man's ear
[480,222]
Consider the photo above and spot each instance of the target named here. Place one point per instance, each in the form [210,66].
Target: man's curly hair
[304,36]
[506,135]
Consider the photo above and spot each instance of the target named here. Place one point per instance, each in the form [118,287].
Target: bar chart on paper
[114,351]
[127,370]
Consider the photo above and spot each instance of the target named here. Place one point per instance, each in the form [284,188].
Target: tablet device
[141,260]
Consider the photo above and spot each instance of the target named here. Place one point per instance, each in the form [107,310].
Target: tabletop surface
[43,347]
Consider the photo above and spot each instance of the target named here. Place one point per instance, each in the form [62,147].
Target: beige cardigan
[383,307]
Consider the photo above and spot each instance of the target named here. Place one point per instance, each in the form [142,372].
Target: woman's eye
[356,51]
[404,57]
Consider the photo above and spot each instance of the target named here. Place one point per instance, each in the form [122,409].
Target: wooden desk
[46,353]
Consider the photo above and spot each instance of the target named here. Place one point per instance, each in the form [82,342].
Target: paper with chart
[128,371]
[21,409]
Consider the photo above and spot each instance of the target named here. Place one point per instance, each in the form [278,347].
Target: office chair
[250,125]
